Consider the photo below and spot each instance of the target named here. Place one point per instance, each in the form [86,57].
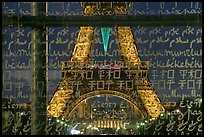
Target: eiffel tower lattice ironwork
[81,79]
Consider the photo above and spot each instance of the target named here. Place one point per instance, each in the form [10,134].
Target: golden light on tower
[63,106]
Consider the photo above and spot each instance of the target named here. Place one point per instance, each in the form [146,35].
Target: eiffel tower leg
[81,54]
[129,54]
[127,46]
[84,43]
[150,100]
[58,101]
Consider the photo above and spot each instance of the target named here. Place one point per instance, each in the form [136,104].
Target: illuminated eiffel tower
[74,89]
